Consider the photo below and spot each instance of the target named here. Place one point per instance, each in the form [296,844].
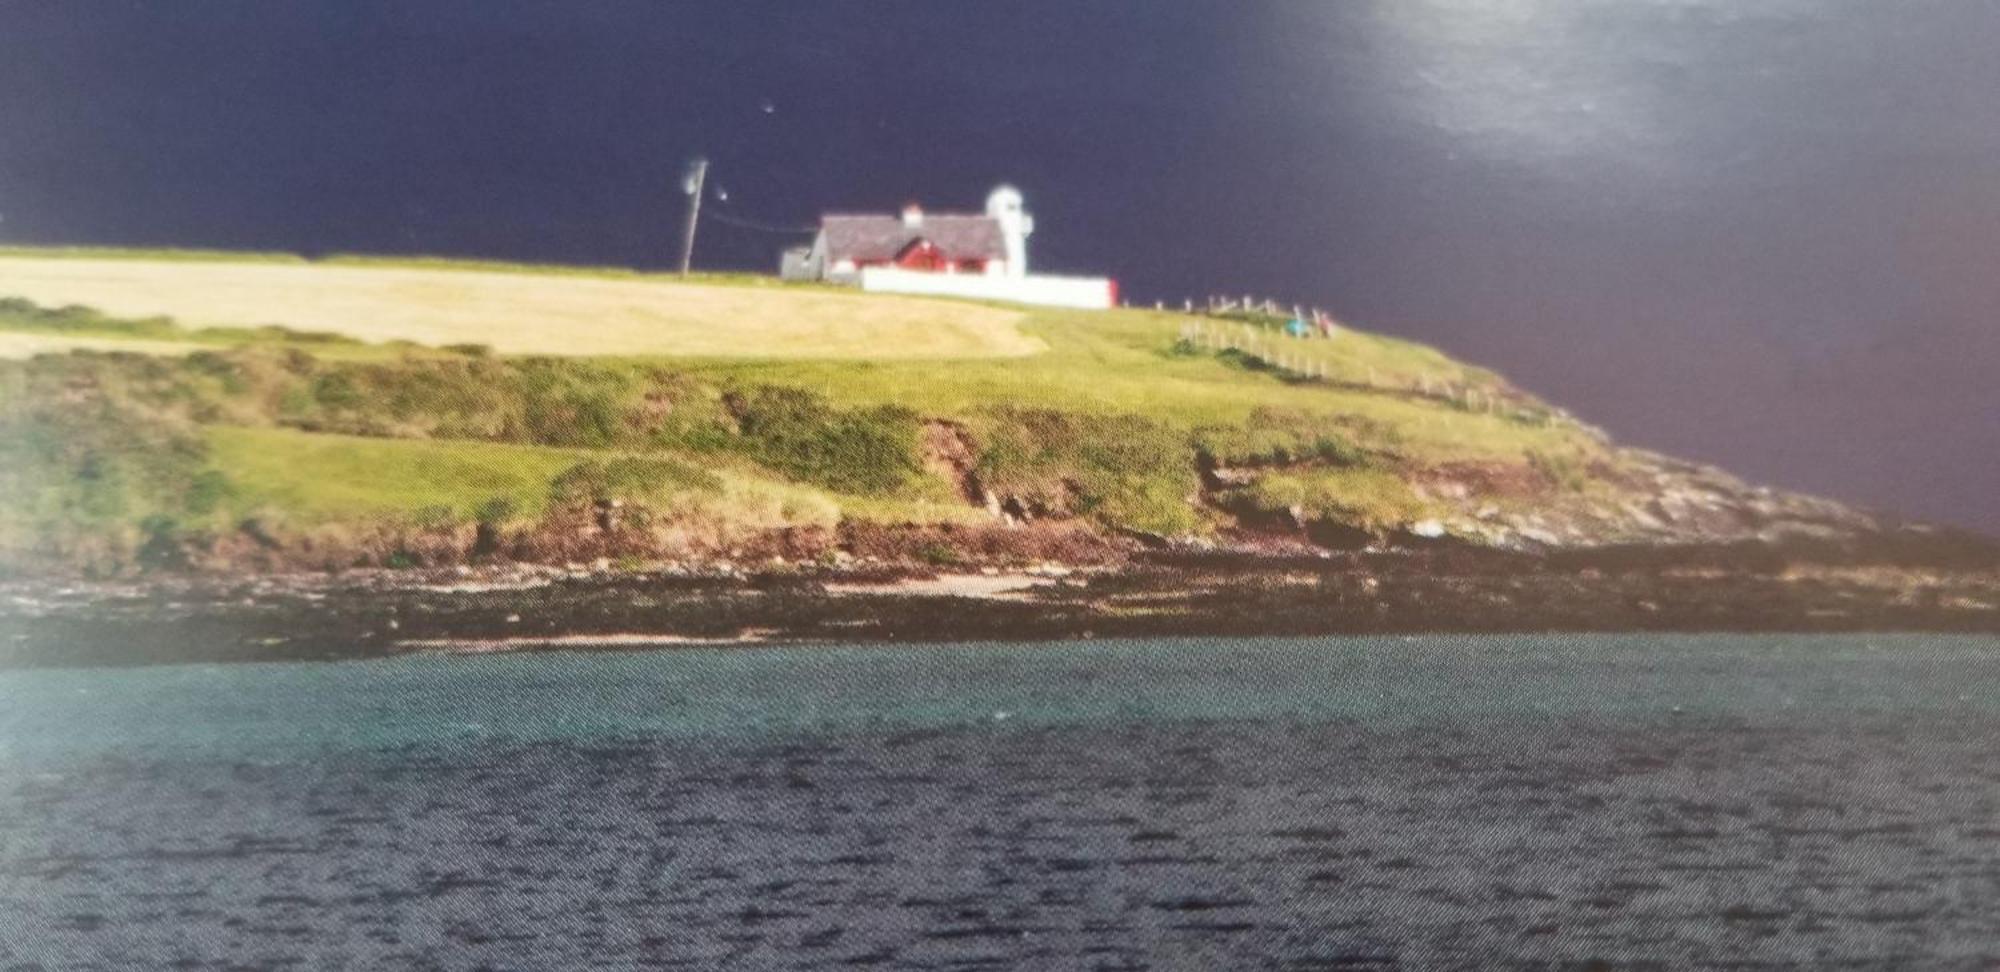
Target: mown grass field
[515,312]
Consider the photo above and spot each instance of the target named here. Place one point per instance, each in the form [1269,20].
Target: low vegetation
[1368,499]
[1118,424]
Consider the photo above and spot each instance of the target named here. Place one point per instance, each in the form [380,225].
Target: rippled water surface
[1346,803]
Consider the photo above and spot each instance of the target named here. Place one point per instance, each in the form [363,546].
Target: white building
[982,256]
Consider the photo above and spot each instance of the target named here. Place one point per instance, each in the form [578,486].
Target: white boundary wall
[1087,293]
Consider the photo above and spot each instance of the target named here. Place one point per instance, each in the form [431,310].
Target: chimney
[913,215]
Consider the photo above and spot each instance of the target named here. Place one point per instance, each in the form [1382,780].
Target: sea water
[1197,804]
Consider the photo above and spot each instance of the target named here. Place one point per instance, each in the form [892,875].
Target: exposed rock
[950,452]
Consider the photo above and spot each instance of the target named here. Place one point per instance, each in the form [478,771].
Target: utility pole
[697,174]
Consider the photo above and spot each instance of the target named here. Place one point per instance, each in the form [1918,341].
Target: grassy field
[332,477]
[515,312]
[363,391]
[858,350]
[1128,362]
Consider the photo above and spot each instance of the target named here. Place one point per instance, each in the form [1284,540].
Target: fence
[1264,341]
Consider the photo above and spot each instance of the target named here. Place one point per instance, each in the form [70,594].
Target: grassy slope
[319,478]
[1125,362]
[1108,415]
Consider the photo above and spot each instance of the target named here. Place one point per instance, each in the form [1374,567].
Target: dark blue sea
[1356,803]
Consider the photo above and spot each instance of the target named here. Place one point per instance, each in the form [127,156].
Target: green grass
[1374,499]
[1120,362]
[1105,423]
[331,477]
[1124,362]
[317,478]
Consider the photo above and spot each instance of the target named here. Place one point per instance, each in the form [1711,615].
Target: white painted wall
[1087,293]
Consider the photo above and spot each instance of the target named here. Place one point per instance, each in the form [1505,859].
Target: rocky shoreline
[375,613]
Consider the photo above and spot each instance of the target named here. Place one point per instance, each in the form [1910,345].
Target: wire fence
[1309,345]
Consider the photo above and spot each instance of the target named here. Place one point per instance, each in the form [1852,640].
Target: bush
[1122,470]
[796,432]
[495,511]
[572,403]
[85,472]
[336,390]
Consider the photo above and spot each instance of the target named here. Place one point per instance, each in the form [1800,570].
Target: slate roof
[876,237]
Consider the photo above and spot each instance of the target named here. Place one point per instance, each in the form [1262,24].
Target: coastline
[375,613]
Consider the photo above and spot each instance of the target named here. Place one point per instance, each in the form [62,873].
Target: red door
[923,255]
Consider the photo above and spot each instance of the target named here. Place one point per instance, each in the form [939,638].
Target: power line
[694,183]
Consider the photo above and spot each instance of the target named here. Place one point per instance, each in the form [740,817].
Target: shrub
[81,473]
[571,403]
[1123,470]
[336,390]
[796,432]
[495,511]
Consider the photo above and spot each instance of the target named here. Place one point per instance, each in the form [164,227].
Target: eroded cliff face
[1646,498]
[1639,506]
[1633,498]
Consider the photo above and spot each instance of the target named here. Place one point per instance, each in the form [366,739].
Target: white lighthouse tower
[1004,205]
